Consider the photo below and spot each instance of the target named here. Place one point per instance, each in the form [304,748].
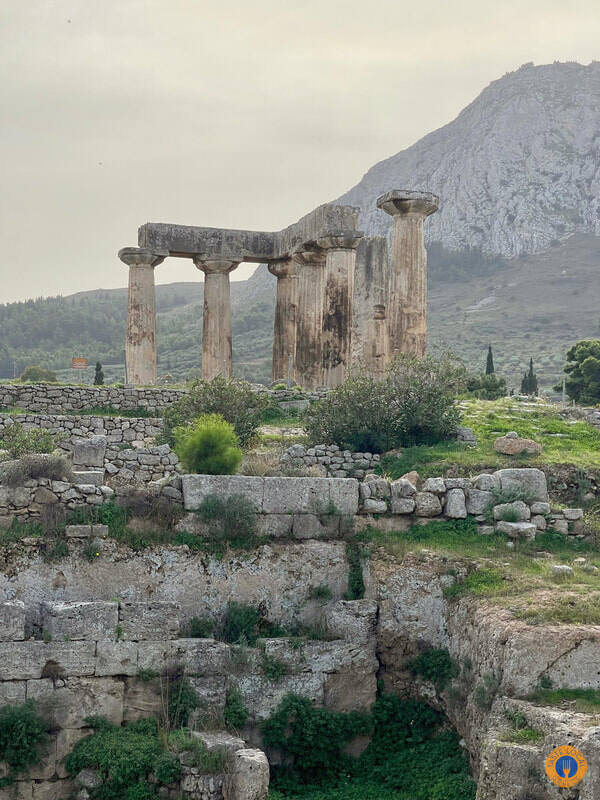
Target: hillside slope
[517,169]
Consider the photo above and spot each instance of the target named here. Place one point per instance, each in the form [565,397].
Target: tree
[98,375]
[583,370]
[529,384]
[489,367]
[486,387]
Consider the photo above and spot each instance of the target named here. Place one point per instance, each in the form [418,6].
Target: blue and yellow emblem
[566,766]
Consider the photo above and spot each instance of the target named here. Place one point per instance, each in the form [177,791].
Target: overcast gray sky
[246,113]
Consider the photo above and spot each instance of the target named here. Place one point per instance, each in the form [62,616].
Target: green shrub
[209,446]
[356,584]
[199,628]
[414,404]
[37,374]
[274,668]
[22,733]
[167,768]
[232,399]
[182,699]
[231,519]
[124,757]
[236,714]
[320,592]
[435,665]
[207,762]
[20,442]
[241,624]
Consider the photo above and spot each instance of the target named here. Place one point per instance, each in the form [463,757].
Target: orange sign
[79,363]
[566,766]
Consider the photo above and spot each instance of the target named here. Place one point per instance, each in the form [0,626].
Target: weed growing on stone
[235,714]
[320,592]
[435,665]
[582,700]
[356,585]
[23,733]
[520,732]
[207,762]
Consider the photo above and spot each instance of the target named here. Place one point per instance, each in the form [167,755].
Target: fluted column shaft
[309,332]
[407,315]
[216,322]
[337,312]
[284,332]
[140,333]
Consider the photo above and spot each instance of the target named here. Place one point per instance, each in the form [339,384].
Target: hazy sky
[246,113]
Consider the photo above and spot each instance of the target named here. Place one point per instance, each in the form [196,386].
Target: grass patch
[522,736]
[563,441]
[582,700]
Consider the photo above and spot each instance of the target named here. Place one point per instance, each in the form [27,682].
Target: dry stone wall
[118,430]
[56,399]
[94,658]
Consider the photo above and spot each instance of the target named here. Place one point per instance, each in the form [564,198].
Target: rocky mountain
[516,171]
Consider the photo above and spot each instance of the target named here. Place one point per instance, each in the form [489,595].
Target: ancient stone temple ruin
[343,299]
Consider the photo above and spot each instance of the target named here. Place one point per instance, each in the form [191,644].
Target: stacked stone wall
[84,659]
[118,430]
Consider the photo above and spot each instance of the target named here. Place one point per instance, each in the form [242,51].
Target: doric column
[140,336]
[216,323]
[407,313]
[370,345]
[284,333]
[309,331]
[337,313]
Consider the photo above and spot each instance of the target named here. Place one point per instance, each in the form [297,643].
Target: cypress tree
[489,367]
[529,384]
[98,375]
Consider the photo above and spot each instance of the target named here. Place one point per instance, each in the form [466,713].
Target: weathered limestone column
[284,333]
[407,313]
[309,331]
[370,340]
[337,313]
[216,323]
[140,335]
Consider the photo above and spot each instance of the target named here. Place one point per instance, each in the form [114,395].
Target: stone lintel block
[67,703]
[33,660]
[12,621]
[78,531]
[116,658]
[198,656]
[88,477]
[197,487]
[531,481]
[296,495]
[149,621]
[80,621]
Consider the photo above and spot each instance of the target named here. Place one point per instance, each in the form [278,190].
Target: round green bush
[209,447]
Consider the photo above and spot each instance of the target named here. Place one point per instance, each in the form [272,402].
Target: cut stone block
[455,507]
[116,658]
[78,531]
[88,477]
[518,509]
[486,482]
[531,481]
[402,488]
[197,656]
[478,500]
[343,495]
[402,505]
[517,530]
[89,452]
[34,660]
[427,504]
[155,621]
[67,704]
[12,621]
[309,526]
[80,621]
[197,487]
[573,513]
[297,495]
[248,778]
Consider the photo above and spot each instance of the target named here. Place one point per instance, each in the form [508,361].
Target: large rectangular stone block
[89,452]
[297,496]
[143,698]
[34,660]
[149,621]
[196,656]
[67,704]
[12,693]
[116,658]
[343,494]
[197,487]
[80,621]
[530,481]
[12,621]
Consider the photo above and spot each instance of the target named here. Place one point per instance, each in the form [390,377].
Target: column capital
[140,257]
[340,240]
[403,201]
[283,269]
[218,264]
[309,253]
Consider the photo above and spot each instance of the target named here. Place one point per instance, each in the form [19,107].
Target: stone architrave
[216,327]
[140,337]
[309,332]
[340,263]
[408,273]
[284,333]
